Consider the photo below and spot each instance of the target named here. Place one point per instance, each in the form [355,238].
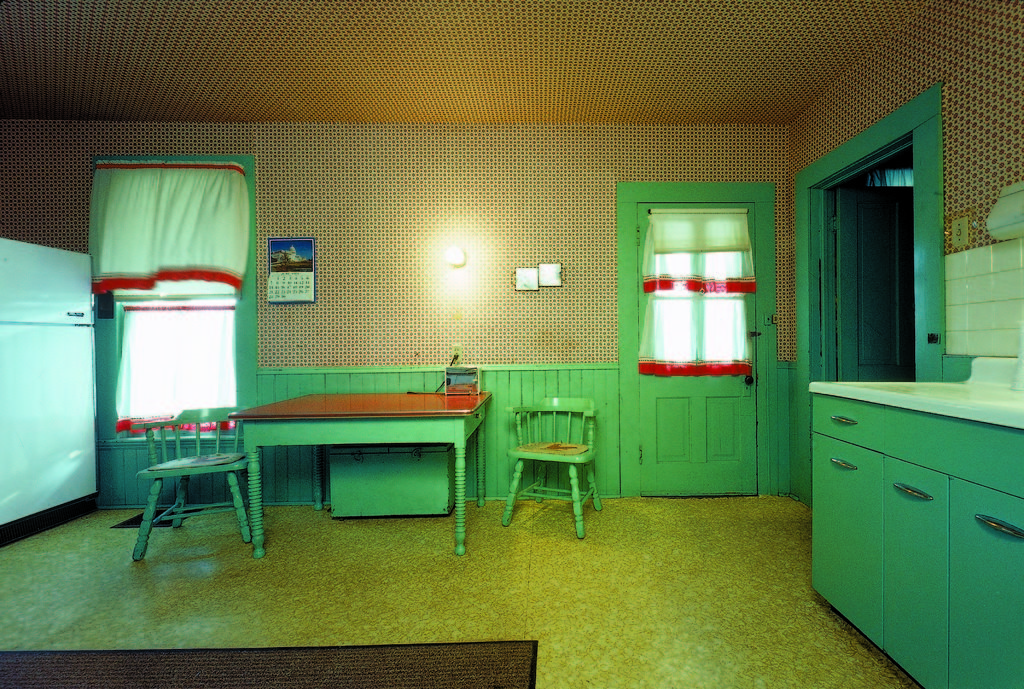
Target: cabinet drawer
[854,421]
[982,453]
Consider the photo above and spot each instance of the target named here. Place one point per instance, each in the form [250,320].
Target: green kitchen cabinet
[915,566]
[936,543]
[986,587]
[846,563]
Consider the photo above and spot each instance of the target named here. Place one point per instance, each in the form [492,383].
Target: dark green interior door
[875,284]
[697,433]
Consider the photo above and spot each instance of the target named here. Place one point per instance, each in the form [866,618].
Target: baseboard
[47,519]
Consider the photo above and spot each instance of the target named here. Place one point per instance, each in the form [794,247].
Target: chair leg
[236,500]
[180,500]
[147,520]
[591,479]
[577,504]
[513,490]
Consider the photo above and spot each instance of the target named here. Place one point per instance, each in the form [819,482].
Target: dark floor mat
[135,522]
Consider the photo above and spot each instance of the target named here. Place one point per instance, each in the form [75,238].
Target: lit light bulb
[455,257]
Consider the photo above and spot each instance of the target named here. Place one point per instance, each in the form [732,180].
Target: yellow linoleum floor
[687,593]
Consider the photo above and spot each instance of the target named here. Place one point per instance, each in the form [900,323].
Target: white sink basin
[986,396]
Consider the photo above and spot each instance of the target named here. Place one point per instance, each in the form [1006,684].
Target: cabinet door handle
[910,490]
[845,465]
[844,419]
[1000,525]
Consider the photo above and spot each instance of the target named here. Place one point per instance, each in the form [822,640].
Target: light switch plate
[961,232]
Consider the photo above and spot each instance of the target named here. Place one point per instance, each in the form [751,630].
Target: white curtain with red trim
[175,358]
[152,222]
[697,269]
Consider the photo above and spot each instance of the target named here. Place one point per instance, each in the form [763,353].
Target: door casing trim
[921,119]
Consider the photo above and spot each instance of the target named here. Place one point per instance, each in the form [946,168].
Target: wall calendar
[291,263]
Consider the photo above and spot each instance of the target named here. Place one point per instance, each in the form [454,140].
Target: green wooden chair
[178,437]
[558,430]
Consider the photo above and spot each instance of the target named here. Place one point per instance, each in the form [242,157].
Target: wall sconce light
[455,257]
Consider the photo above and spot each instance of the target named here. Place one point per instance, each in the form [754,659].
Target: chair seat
[562,448]
[194,463]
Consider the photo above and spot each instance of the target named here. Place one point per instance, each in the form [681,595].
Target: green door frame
[921,121]
[762,195]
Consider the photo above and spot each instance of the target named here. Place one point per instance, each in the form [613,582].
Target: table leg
[460,498]
[480,467]
[318,477]
[256,503]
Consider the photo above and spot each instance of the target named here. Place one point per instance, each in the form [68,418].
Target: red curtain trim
[106,284]
[195,166]
[696,368]
[179,308]
[734,286]
[128,425]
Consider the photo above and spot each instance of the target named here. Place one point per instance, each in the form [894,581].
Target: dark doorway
[869,290]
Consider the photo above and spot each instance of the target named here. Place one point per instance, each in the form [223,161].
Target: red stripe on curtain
[696,368]
[179,308]
[733,286]
[101,285]
[186,166]
[127,425]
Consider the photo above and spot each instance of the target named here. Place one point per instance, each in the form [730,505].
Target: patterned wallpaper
[385,200]
[976,49]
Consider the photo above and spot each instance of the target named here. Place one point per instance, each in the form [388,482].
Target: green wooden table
[363,419]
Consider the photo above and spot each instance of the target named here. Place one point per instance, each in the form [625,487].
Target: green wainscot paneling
[288,471]
[508,385]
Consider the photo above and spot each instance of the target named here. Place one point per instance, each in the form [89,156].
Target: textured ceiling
[432,61]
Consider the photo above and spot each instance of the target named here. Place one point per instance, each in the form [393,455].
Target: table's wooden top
[366,405]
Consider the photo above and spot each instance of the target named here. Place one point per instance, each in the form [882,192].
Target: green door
[875,284]
[697,433]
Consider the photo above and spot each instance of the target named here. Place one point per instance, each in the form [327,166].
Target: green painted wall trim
[919,121]
[762,196]
[914,113]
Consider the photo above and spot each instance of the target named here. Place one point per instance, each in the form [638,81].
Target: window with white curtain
[175,356]
[171,228]
[157,222]
[697,269]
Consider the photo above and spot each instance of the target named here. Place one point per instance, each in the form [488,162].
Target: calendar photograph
[292,270]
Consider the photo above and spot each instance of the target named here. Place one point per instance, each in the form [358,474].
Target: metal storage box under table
[391,480]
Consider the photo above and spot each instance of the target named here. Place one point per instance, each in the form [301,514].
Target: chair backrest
[556,419]
[185,433]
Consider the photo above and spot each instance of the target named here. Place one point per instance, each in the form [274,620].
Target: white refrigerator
[47,398]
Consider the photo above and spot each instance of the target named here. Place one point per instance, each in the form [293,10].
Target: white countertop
[985,397]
